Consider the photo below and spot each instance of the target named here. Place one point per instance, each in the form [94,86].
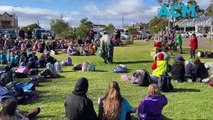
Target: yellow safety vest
[161,68]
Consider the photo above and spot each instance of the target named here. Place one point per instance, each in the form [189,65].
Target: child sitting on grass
[152,105]
[10,112]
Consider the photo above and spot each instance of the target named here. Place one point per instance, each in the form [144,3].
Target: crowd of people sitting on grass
[113,106]
[21,61]
[181,70]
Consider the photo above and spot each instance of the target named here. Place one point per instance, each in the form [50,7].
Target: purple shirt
[151,107]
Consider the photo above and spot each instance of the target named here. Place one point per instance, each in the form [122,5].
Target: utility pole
[99,21]
[38,22]
[211,27]
[122,20]
[61,16]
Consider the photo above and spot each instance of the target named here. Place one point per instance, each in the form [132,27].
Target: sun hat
[179,59]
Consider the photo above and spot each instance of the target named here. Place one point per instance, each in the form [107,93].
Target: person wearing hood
[77,105]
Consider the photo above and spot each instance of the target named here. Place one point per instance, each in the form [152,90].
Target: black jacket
[78,106]
[201,71]
[178,72]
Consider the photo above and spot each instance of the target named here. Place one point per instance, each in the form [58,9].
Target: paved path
[202,42]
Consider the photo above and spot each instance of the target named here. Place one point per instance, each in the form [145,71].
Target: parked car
[46,34]
[1,33]
[145,34]
[124,36]
[198,34]
[9,33]
[37,33]
[184,35]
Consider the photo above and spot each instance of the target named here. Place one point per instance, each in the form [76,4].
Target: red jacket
[157,44]
[193,43]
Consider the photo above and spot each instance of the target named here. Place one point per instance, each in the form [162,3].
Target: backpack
[5,94]
[164,83]
[68,62]
[18,94]
[23,70]
[38,78]
[125,77]
[84,66]
[33,71]
[120,69]
[77,67]
[143,77]
[19,75]
[58,67]
[6,77]
[91,67]
[22,85]
[30,95]
[46,73]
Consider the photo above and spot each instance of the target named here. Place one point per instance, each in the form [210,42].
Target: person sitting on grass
[200,71]
[77,105]
[10,112]
[152,105]
[159,66]
[178,69]
[113,106]
[190,71]
[49,58]
[40,63]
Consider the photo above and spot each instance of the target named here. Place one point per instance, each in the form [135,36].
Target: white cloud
[203,3]
[131,10]
[28,15]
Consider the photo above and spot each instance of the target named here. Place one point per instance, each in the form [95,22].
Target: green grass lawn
[209,41]
[188,101]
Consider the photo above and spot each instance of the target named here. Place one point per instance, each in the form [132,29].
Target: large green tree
[31,27]
[84,28]
[209,10]
[197,7]
[109,28]
[132,30]
[154,21]
[60,28]
[157,24]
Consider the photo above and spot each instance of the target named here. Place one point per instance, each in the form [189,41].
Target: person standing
[29,33]
[178,42]
[21,34]
[106,48]
[77,105]
[193,45]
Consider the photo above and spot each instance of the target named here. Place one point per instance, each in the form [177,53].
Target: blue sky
[105,11]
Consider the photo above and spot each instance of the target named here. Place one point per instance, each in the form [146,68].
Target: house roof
[6,14]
